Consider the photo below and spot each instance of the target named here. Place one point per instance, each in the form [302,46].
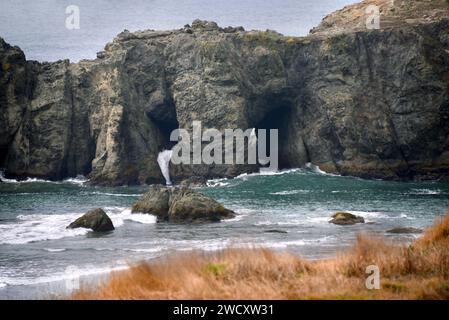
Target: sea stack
[181,205]
[95,219]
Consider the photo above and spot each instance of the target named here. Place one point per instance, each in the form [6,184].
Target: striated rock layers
[370,103]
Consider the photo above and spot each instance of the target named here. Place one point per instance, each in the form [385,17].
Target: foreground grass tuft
[418,271]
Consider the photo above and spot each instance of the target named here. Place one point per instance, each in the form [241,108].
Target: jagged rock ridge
[370,103]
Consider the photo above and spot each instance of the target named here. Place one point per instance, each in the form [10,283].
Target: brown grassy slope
[419,271]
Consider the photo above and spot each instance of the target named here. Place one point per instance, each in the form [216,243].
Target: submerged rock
[180,204]
[95,219]
[275,231]
[346,218]
[405,230]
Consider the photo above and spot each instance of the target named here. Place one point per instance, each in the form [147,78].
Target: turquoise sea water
[36,248]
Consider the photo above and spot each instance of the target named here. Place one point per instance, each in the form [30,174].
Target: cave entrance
[277,118]
[166,128]
[3,156]
[163,116]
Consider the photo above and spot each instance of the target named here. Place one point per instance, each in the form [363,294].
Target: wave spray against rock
[163,159]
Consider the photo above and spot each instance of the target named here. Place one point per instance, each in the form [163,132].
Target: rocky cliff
[370,103]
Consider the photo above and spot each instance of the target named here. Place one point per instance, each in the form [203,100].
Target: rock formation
[96,219]
[405,230]
[180,205]
[346,218]
[369,103]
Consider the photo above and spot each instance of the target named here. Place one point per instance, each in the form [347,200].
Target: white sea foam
[267,173]
[289,192]
[370,214]
[141,218]
[103,249]
[241,214]
[27,180]
[75,273]
[117,194]
[41,227]
[317,169]
[238,217]
[119,215]
[425,191]
[223,182]
[206,245]
[319,220]
[220,244]
[282,244]
[213,244]
[299,242]
[55,249]
[79,180]
[244,176]
[295,222]
[145,250]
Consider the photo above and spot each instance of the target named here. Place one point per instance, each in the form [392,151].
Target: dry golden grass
[419,271]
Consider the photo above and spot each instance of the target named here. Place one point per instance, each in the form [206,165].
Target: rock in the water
[96,219]
[187,205]
[155,201]
[195,181]
[346,218]
[275,231]
[405,230]
[180,204]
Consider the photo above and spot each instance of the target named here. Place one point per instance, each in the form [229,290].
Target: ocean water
[35,247]
[38,27]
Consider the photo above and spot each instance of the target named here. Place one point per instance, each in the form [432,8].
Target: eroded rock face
[15,87]
[95,219]
[369,103]
[181,205]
